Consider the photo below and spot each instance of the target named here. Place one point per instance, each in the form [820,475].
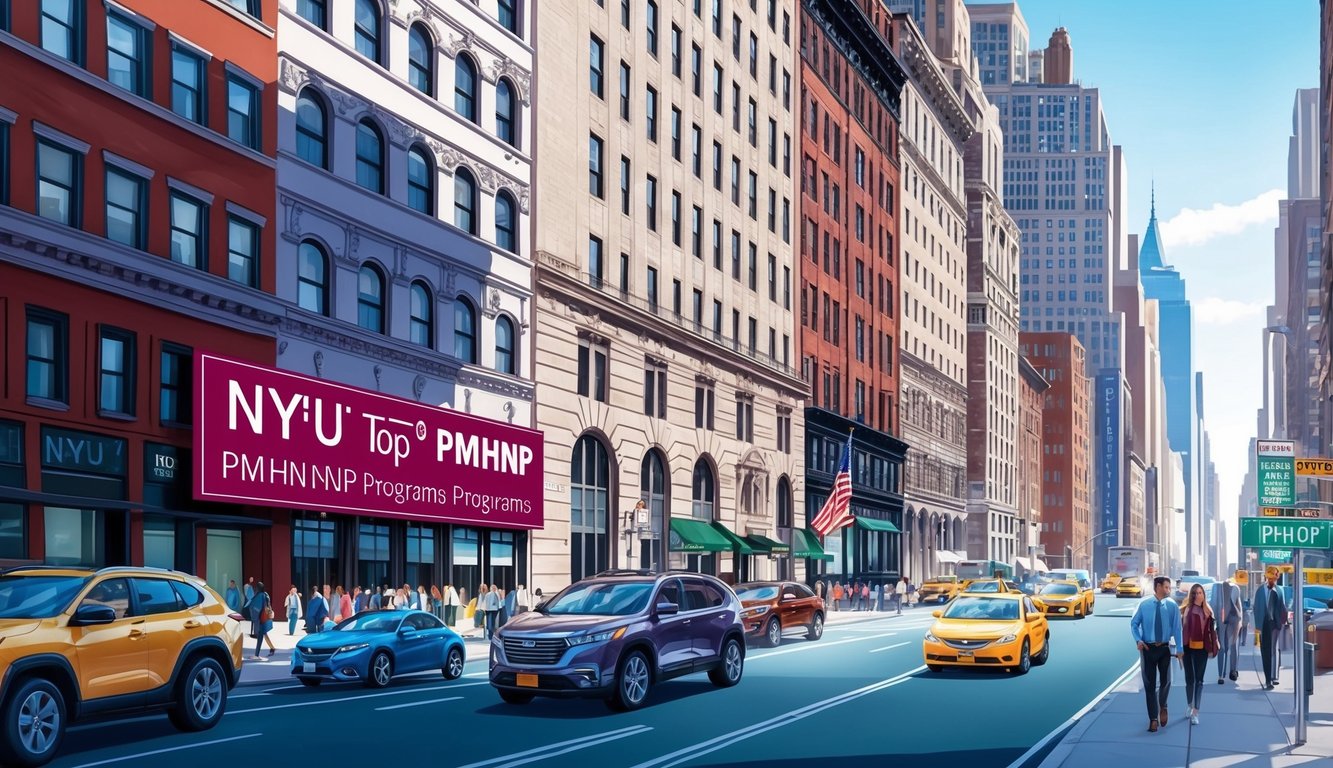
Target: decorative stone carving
[491,308]
[504,67]
[344,103]
[377,371]
[467,401]
[523,200]
[418,386]
[450,283]
[319,363]
[509,410]
[282,347]
[353,243]
[466,41]
[293,77]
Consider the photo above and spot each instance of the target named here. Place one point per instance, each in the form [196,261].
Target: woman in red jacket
[1196,619]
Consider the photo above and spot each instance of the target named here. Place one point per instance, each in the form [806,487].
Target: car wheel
[1089,611]
[728,672]
[773,633]
[816,627]
[381,670]
[311,682]
[633,680]
[1024,659]
[935,667]
[514,697]
[34,724]
[201,697]
[453,664]
[1045,654]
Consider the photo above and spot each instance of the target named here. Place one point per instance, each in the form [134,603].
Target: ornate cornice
[496,384]
[343,338]
[856,39]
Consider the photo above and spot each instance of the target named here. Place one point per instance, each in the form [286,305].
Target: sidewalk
[1240,724]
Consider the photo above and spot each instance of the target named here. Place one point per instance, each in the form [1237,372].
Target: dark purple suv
[616,635]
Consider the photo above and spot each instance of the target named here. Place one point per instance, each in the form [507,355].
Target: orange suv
[78,642]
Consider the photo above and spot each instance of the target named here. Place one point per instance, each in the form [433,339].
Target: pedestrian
[819,590]
[344,605]
[479,611]
[911,592]
[489,604]
[332,604]
[249,590]
[900,594]
[510,606]
[523,599]
[537,598]
[360,599]
[437,602]
[1270,617]
[1155,624]
[234,601]
[865,596]
[293,610]
[837,596]
[880,589]
[1228,611]
[1200,634]
[450,605]
[316,612]
[260,609]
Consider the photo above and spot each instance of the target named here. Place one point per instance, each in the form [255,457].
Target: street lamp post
[1089,541]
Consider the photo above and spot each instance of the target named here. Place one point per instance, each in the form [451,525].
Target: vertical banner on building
[1108,437]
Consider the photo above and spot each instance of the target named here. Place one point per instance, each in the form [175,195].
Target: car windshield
[600,598]
[757,592]
[983,608]
[371,622]
[37,597]
[942,580]
[1059,589]
[984,586]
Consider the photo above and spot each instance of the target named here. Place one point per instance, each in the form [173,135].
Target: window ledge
[42,402]
[176,424]
[116,415]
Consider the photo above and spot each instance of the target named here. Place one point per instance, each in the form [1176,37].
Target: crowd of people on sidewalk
[866,596]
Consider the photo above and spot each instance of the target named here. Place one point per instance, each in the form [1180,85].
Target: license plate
[308,668]
[526,681]
[966,657]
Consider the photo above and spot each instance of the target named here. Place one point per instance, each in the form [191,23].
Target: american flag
[837,510]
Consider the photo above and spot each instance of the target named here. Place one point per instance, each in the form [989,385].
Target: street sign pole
[1298,671]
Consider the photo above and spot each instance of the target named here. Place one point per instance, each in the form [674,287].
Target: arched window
[465,87]
[784,503]
[368,38]
[506,230]
[370,298]
[465,200]
[421,60]
[369,157]
[652,489]
[589,503]
[420,181]
[704,492]
[312,129]
[504,345]
[312,278]
[465,330]
[507,15]
[421,328]
[506,113]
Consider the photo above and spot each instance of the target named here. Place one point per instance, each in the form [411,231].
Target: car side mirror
[1033,616]
[407,630]
[667,609]
[89,615]
[937,614]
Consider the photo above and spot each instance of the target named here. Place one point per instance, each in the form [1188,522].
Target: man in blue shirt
[1156,622]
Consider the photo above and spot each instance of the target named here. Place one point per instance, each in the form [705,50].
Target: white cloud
[1212,310]
[1193,226]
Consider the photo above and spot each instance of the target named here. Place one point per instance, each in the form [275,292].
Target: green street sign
[1275,555]
[1285,532]
[1275,461]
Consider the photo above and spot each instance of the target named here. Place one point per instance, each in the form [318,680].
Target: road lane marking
[1039,746]
[560,748]
[781,721]
[320,702]
[816,644]
[139,755]
[890,647]
[417,704]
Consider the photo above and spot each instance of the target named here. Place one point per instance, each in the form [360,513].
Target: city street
[861,692]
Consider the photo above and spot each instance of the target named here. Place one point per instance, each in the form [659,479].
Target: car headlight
[930,638]
[1009,638]
[758,610]
[596,637]
[352,647]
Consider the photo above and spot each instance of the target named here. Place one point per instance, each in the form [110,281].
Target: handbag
[266,614]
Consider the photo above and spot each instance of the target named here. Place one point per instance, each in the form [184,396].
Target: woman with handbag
[1200,632]
[260,609]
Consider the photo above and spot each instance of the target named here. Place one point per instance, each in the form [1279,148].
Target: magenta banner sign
[280,439]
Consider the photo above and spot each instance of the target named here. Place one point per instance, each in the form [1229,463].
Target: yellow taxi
[1110,583]
[1066,598]
[1004,629]
[998,586]
[1129,588]
[940,588]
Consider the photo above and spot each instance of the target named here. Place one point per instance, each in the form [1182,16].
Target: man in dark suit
[1227,610]
[316,612]
[1270,616]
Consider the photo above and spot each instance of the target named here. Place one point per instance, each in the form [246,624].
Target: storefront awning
[1039,566]
[696,536]
[946,557]
[880,526]
[1024,563]
[807,545]
[737,543]
[765,545]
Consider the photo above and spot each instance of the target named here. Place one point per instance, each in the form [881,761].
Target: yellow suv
[79,642]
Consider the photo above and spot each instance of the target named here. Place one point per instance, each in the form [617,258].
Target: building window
[465,330]
[675,51]
[311,129]
[312,278]
[115,372]
[62,28]
[504,346]
[421,323]
[242,252]
[127,55]
[59,183]
[651,109]
[592,370]
[421,60]
[703,405]
[596,66]
[625,185]
[465,87]
[248,7]
[175,405]
[420,181]
[48,355]
[367,29]
[189,231]
[675,217]
[465,201]
[595,185]
[675,133]
[651,23]
[506,230]
[589,503]
[745,418]
[369,157]
[314,11]
[506,12]
[653,490]
[784,430]
[126,199]
[370,298]
[243,112]
[188,79]
[4,163]
[506,113]
[650,199]
[704,492]
[624,90]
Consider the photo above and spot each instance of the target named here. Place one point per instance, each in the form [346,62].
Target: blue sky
[1200,94]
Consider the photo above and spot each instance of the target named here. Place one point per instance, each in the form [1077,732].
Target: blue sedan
[372,647]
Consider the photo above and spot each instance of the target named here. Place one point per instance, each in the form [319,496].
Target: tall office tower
[665,360]
[1000,43]
[1325,192]
[850,275]
[1058,60]
[933,344]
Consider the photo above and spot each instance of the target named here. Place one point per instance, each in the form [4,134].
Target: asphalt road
[860,696]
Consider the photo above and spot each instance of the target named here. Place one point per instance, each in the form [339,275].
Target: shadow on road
[592,709]
[966,757]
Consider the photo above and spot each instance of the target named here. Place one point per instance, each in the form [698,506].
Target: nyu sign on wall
[1107,431]
[276,438]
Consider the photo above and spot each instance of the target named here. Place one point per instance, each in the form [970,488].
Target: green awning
[738,543]
[763,544]
[880,526]
[696,536]
[807,545]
